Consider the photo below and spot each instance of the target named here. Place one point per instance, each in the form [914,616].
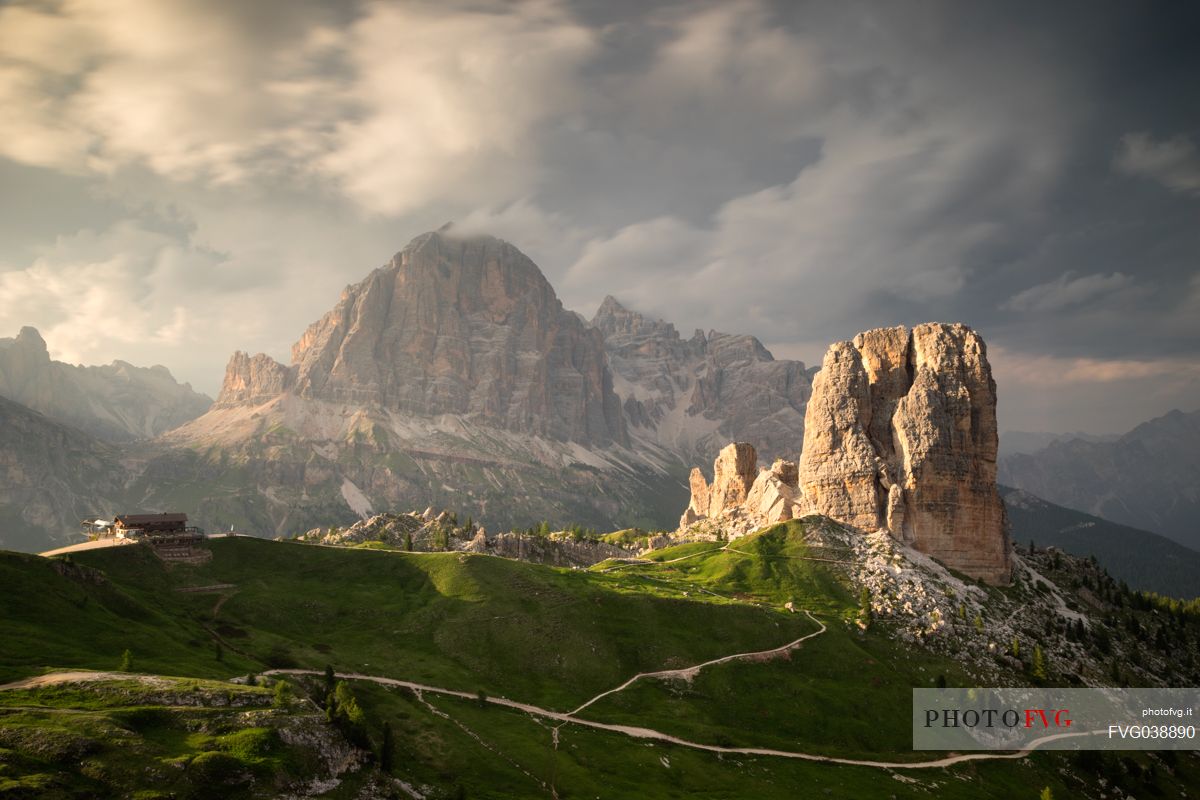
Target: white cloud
[148,294]
[883,213]
[1174,162]
[168,84]
[1067,291]
[722,67]
[551,240]
[1048,371]
[1044,392]
[114,291]
[450,101]
[411,105]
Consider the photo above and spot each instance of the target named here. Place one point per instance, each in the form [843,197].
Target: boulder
[774,496]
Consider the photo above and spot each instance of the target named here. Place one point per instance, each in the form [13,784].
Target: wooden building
[130,525]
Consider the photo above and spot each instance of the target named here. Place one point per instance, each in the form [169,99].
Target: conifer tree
[864,606]
[1039,663]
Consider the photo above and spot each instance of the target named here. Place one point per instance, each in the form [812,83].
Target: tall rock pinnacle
[900,434]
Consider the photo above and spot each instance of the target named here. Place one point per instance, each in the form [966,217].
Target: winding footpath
[637,732]
[570,718]
[649,733]
[687,673]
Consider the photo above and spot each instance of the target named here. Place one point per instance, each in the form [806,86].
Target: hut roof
[134,520]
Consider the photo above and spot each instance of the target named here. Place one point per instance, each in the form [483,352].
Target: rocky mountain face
[51,477]
[467,327]
[1149,478]
[453,377]
[900,434]
[117,402]
[691,396]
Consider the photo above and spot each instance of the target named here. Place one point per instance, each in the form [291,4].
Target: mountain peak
[612,318]
[31,335]
[30,342]
[116,402]
[610,305]
[463,325]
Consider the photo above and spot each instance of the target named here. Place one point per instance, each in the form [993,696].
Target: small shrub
[283,694]
[249,744]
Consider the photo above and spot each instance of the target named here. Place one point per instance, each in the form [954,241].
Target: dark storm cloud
[801,171]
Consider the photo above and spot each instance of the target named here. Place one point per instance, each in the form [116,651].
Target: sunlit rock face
[900,434]
[466,326]
[741,497]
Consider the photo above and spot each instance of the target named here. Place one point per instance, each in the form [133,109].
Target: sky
[181,179]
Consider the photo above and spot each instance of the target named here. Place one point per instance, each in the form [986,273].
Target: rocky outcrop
[698,502]
[252,380]
[432,531]
[463,326]
[117,402]
[454,375]
[741,498]
[774,496]
[425,532]
[557,549]
[691,396]
[733,473]
[900,434]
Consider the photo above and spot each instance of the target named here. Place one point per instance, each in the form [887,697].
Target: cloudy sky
[180,179]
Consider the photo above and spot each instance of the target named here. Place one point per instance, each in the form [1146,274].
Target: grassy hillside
[551,637]
[168,738]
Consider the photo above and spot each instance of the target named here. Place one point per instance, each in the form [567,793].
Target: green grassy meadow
[546,636]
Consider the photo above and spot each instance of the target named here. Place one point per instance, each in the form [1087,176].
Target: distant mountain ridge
[1148,478]
[1013,442]
[117,402]
[51,475]
[1142,559]
[692,396]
